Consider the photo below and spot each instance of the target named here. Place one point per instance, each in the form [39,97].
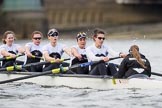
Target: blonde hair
[134,50]
[5,35]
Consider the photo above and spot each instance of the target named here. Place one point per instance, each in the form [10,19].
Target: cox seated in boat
[10,49]
[34,51]
[54,50]
[135,64]
[100,52]
[79,53]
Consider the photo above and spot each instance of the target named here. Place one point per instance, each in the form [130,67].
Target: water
[18,95]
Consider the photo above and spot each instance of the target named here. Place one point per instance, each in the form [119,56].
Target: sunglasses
[101,38]
[53,34]
[37,38]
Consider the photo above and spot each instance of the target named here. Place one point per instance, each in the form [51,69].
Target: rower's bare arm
[21,50]
[7,54]
[27,50]
[48,58]
[122,55]
[67,51]
[75,53]
[105,59]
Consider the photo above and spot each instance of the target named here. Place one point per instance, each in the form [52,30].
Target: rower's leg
[111,69]
[99,69]
[8,63]
[51,66]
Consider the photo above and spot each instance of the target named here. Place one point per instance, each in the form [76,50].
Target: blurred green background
[117,17]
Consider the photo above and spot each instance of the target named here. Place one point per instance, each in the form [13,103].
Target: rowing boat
[84,81]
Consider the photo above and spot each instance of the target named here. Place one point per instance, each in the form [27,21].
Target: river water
[18,95]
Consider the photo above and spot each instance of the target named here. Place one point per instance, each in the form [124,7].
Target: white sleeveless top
[80,51]
[13,48]
[92,51]
[59,48]
[32,47]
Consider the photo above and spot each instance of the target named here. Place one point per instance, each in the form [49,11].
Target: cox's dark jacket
[129,66]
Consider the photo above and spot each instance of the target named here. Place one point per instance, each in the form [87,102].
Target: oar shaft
[54,71]
[154,73]
[91,63]
[36,57]
[25,77]
[114,58]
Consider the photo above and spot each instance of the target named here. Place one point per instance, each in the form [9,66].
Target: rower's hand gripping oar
[114,58]
[53,71]
[92,62]
[19,67]
[9,58]
[36,57]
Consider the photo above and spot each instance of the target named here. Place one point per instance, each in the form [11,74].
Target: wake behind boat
[83,81]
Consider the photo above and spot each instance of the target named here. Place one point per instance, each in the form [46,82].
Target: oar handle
[11,68]
[37,57]
[60,60]
[66,59]
[114,58]
[9,58]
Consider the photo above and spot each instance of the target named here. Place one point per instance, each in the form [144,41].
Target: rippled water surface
[22,95]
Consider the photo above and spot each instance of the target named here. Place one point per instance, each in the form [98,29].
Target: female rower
[9,49]
[99,52]
[79,53]
[34,51]
[135,64]
[54,50]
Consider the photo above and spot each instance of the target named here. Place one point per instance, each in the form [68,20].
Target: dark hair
[134,50]
[97,31]
[36,32]
[5,35]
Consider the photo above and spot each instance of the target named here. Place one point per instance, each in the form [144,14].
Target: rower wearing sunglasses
[34,51]
[54,50]
[99,52]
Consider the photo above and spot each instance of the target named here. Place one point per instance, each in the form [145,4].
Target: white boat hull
[87,81]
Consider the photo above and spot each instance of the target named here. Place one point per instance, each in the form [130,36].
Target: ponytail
[134,50]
